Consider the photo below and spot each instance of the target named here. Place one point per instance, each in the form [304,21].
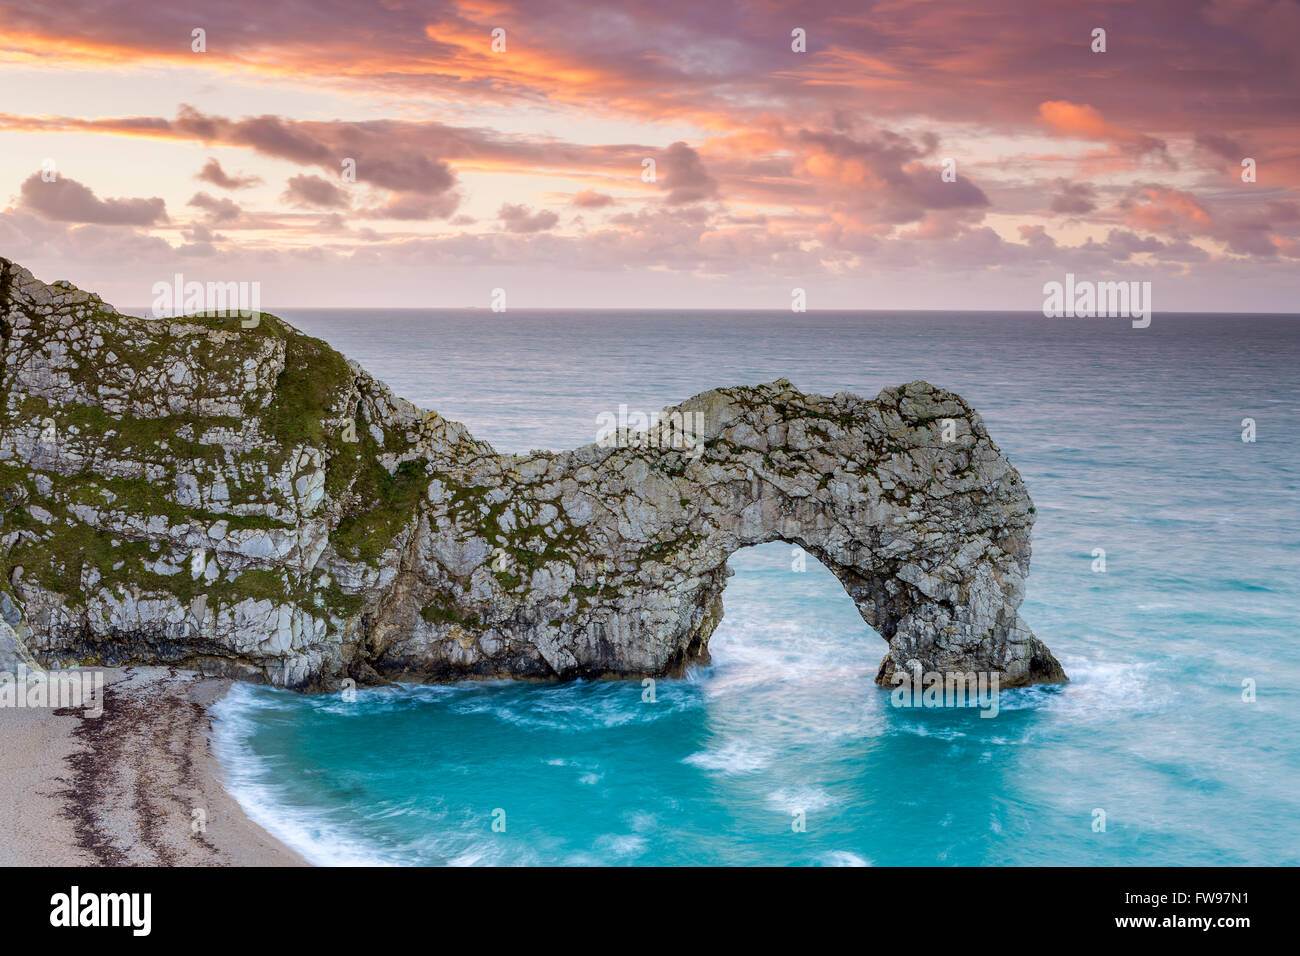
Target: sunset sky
[522,169]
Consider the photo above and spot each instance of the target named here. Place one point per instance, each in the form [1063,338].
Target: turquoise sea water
[1129,440]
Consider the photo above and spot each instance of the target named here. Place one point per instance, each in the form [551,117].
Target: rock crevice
[246,502]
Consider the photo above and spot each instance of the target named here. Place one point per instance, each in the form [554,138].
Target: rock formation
[245,501]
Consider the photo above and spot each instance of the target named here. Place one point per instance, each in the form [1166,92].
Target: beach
[137,785]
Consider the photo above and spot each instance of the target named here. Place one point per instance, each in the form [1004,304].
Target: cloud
[389,154]
[214,174]
[333,222]
[413,206]
[315,192]
[1074,199]
[1161,209]
[681,170]
[380,158]
[590,199]
[393,154]
[266,134]
[1260,230]
[67,200]
[517,218]
[1222,146]
[872,184]
[1082,121]
[218,210]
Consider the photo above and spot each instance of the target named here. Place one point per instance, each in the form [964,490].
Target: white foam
[733,757]
[805,799]
[843,858]
[308,831]
[622,844]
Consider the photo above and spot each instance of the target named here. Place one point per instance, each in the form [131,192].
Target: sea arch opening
[783,605]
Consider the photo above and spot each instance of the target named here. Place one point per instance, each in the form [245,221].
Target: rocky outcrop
[246,502]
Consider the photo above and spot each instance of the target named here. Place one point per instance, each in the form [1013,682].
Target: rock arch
[245,501]
[929,538]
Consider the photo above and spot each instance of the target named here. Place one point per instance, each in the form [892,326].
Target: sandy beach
[135,786]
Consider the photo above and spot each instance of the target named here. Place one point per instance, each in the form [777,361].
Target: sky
[669,154]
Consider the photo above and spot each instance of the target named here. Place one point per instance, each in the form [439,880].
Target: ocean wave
[308,830]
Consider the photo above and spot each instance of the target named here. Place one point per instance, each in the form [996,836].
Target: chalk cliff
[247,502]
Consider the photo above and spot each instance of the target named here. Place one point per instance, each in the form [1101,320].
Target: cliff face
[245,501]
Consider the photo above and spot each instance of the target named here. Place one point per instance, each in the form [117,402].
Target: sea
[1165,577]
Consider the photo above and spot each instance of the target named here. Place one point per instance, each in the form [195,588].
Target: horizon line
[562,308]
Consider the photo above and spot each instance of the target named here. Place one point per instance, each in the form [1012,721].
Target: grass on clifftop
[307,408]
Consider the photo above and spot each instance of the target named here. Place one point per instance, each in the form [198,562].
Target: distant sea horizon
[144,311]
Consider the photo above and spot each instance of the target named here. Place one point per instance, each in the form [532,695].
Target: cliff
[247,502]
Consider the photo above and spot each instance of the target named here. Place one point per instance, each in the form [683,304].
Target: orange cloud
[1072,119]
[1082,121]
[1158,209]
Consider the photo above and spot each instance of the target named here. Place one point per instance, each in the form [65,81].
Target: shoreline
[138,785]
